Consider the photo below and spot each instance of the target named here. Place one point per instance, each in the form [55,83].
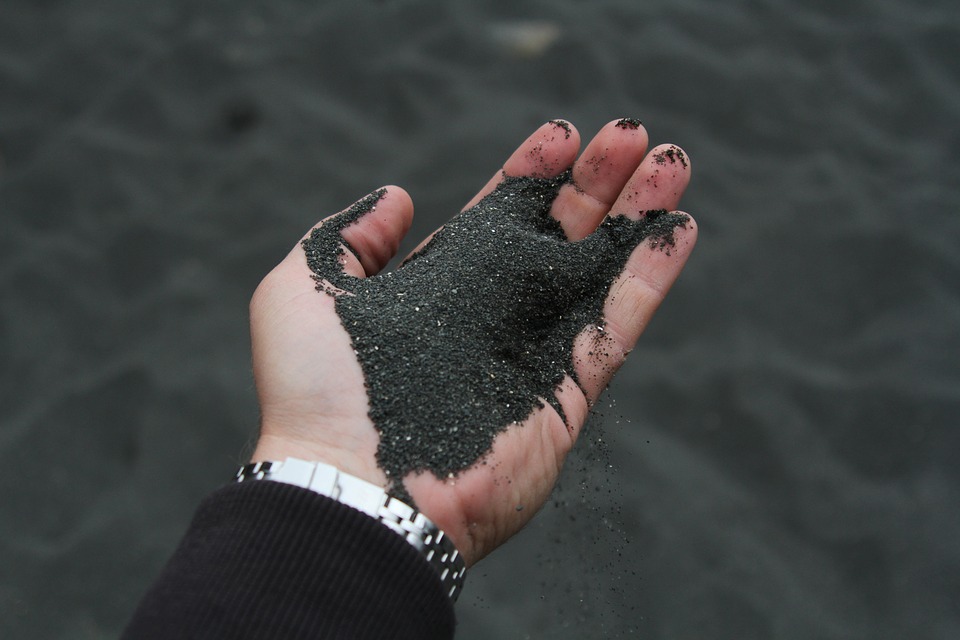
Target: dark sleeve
[270,560]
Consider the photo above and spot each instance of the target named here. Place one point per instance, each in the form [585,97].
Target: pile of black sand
[466,337]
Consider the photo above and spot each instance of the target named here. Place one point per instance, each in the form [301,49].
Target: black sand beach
[776,460]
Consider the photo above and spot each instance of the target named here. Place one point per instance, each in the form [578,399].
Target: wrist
[434,546]
[359,463]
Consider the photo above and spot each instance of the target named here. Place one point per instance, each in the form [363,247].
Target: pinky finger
[630,305]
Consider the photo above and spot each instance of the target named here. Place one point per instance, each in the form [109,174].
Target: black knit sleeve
[269,560]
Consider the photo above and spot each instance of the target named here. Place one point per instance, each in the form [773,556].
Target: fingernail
[563,124]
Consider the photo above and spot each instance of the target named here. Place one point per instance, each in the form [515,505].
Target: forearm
[268,560]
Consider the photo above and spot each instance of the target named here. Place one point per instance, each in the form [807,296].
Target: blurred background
[777,460]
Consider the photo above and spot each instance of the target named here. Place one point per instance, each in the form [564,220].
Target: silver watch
[413,526]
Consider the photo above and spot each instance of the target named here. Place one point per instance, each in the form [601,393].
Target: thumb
[360,240]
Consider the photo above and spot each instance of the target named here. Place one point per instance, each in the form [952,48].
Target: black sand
[474,331]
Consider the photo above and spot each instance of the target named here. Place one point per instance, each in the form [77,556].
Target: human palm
[317,402]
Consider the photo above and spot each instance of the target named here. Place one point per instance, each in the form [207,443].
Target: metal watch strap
[413,526]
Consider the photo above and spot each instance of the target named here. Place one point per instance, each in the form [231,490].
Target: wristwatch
[435,547]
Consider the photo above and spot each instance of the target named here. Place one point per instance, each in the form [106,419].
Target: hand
[311,385]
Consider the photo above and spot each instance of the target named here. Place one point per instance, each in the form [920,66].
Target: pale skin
[311,388]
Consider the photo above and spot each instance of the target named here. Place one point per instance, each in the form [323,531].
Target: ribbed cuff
[271,560]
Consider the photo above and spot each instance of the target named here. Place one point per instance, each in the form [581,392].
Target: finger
[548,152]
[599,176]
[373,238]
[633,298]
[657,183]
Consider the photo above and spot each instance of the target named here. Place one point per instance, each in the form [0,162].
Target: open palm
[314,400]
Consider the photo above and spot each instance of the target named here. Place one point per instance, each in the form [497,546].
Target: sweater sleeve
[270,560]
